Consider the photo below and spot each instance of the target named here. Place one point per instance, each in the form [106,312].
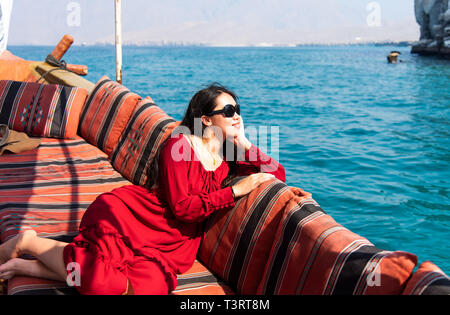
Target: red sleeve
[258,161]
[174,180]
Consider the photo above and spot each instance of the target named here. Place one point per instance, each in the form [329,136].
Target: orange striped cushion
[49,188]
[312,254]
[196,281]
[21,285]
[41,110]
[428,280]
[200,281]
[148,126]
[106,113]
[276,241]
[237,243]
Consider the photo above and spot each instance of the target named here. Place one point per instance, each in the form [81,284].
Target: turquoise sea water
[369,140]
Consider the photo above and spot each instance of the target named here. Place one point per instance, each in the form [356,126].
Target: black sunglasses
[228,110]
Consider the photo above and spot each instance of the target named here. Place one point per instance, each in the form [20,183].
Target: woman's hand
[252,181]
[241,140]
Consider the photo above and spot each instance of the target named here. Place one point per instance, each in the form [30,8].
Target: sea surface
[370,140]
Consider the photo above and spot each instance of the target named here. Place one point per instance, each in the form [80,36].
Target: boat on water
[276,241]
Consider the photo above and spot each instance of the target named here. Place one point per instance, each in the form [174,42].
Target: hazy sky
[217,22]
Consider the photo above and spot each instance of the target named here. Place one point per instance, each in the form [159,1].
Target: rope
[61,65]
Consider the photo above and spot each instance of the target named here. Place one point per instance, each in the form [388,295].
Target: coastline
[405,43]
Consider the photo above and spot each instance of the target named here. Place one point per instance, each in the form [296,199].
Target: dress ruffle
[107,261]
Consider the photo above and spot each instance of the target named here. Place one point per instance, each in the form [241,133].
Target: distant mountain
[218,22]
[232,34]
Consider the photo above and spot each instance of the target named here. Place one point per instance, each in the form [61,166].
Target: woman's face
[230,126]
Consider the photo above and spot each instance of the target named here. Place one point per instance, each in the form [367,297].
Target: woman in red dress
[135,240]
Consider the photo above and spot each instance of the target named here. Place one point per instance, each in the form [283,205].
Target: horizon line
[176,44]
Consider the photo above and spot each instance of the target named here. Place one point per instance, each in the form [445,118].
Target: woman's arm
[258,161]
[175,183]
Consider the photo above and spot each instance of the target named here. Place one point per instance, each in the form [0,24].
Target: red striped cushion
[200,281]
[41,110]
[148,126]
[277,241]
[21,285]
[237,243]
[312,254]
[49,188]
[429,279]
[196,281]
[106,113]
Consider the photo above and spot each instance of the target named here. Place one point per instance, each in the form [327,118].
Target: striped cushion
[275,241]
[106,113]
[148,126]
[237,243]
[41,110]
[196,281]
[49,188]
[428,280]
[20,285]
[312,254]
[200,281]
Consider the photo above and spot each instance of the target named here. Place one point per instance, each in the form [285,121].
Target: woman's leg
[49,252]
[24,267]
[129,290]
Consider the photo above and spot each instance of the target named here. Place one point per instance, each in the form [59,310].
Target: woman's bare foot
[10,268]
[14,247]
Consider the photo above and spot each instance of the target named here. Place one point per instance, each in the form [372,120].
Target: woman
[134,240]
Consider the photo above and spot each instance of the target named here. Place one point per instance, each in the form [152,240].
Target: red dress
[147,237]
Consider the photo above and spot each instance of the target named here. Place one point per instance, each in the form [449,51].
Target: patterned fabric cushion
[148,126]
[49,188]
[276,241]
[237,243]
[41,110]
[106,113]
[428,280]
[312,254]
[200,281]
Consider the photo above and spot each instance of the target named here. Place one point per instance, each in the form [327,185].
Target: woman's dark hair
[202,103]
